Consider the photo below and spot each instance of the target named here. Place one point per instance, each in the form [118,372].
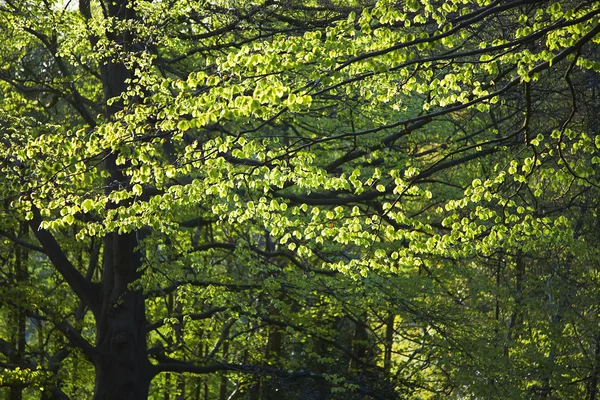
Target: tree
[300,199]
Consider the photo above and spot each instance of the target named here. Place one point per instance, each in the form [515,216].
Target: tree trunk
[21,274]
[389,343]
[167,387]
[359,346]
[123,370]
[592,385]
[224,380]
[180,388]
[519,274]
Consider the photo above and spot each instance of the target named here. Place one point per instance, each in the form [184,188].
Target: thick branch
[196,222]
[8,349]
[180,366]
[76,339]
[21,242]
[76,281]
[176,285]
[194,316]
[480,15]
[222,337]
[387,142]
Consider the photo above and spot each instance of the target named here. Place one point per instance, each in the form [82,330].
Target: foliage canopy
[299,199]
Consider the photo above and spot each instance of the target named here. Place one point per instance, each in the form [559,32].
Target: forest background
[299,199]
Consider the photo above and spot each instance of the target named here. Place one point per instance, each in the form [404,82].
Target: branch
[77,282]
[387,142]
[332,343]
[172,365]
[222,337]
[208,246]
[480,15]
[58,357]
[76,339]
[8,349]
[180,366]
[178,284]
[332,199]
[196,222]
[194,316]
[72,335]
[78,100]
[21,242]
[59,394]
[452,163]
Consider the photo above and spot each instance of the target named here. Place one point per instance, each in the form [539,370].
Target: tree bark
[592,384]
[20,275]
[224,380]
[389,343]
[123,370]
[359,347]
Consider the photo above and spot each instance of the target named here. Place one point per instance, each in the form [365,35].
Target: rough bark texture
[123,370]
[122,367]
[19,342]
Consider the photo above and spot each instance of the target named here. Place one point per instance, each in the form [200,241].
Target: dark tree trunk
[180,388]
[389,343]
[123,370]
[592,385]
[359,346]
[224,380]
[20,274]
[519,274]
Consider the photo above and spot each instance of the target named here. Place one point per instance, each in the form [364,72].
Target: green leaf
[137,189]
[87,205]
